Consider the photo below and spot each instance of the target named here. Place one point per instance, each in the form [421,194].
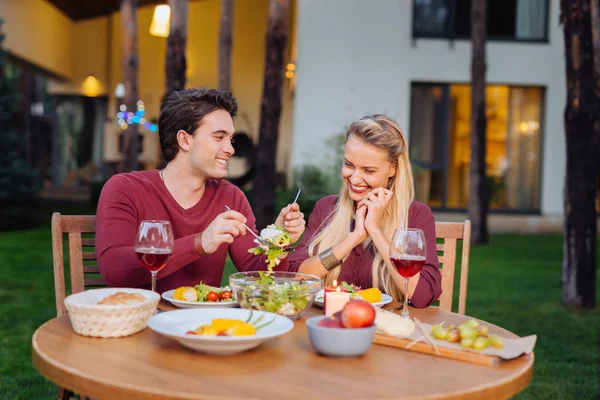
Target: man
[196,130]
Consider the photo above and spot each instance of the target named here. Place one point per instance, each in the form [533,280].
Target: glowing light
[160,21]
[91,86]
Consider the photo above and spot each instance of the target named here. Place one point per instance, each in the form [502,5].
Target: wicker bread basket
[91,319]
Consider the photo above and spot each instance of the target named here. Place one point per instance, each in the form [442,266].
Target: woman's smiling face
[365,167]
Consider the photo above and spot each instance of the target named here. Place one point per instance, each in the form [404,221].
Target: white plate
[168,296]
[385,299]
[175,324]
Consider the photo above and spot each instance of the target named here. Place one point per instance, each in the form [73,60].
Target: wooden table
[150,366]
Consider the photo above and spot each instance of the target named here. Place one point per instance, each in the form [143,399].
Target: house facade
[409,59]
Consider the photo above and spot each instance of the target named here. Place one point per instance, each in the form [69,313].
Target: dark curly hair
[184,110]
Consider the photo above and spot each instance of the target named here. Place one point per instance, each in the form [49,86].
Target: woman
[348,236]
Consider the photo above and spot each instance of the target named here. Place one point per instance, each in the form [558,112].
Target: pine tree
[19,183]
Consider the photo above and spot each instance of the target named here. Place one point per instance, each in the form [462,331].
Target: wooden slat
[449,230]
[88,242]
[91,269]
[464,269]
[89,255]
[448,274]
[94,282]
[58,264]
[79,223]
[76,262]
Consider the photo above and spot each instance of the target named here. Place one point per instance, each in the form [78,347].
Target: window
[523,20]
[440,125]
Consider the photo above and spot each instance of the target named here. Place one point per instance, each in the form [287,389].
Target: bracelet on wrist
[328,259]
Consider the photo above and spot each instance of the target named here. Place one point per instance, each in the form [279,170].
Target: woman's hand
[360,233]
[376,202]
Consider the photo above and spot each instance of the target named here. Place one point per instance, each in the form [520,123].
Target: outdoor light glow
[120,91]
[124,118]
[91,86]
[160,21]
[291,67]
[289,74]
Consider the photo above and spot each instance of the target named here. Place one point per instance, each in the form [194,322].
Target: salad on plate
[201,295]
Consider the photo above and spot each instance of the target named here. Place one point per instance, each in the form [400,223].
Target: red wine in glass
[408,251]
[154,245]
[153,259]
[408,266]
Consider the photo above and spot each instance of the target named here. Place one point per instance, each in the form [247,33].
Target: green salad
[278,239]
[265,294]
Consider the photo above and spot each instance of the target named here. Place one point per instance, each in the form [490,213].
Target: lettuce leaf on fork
[278,240]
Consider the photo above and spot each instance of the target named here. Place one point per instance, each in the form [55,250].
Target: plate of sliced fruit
[220,331]
[201,295]
[372,295]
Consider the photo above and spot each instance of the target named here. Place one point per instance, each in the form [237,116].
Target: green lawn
[514,283]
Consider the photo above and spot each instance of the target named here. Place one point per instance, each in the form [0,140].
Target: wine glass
[408,251]
[154,245]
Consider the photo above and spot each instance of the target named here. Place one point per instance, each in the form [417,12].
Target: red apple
[337,316]
[330,323]
[358,314]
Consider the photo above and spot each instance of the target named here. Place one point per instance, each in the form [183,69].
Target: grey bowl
[339,342]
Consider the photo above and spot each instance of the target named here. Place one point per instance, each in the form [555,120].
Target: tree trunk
[582,130]
[129,62]
[270,113]
[175,62]
[478,198]
[225,41]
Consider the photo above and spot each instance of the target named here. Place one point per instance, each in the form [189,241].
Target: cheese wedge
[393,324]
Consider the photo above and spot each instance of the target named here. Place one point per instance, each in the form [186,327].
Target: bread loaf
[122,298]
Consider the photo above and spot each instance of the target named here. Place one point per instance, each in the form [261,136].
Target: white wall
[357,57]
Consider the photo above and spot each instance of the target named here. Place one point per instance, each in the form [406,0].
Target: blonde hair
[385,134]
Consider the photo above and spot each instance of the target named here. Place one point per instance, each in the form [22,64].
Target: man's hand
[292,220]
[224,228]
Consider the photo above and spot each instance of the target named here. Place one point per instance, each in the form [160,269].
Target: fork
[296,199]
[261,241]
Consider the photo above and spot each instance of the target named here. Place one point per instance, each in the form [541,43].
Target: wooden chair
[74,226]
[451,232]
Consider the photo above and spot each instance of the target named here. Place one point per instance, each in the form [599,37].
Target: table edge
[85,384]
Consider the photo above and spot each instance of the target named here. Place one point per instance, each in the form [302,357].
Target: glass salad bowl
[283,293]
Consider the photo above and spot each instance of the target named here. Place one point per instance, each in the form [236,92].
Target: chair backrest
[74,226]
[451,232]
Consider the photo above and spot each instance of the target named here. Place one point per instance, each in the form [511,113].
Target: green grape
[482,330]
[468,333]
[472,323]
[497,341]
[467,343]
[439,332]
[481,343]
